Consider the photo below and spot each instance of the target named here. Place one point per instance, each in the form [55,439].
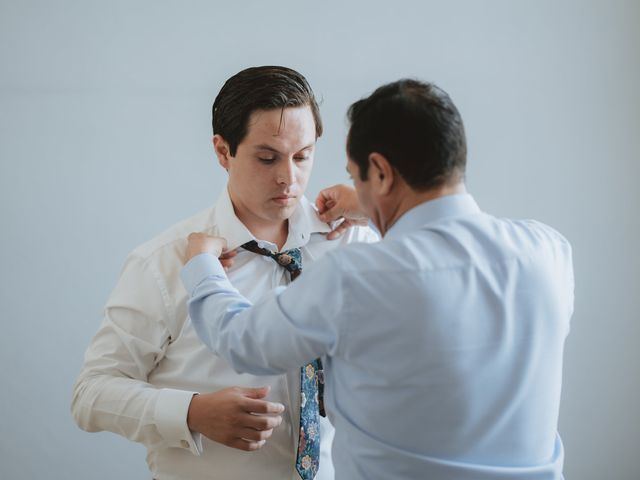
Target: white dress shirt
[146,361]
[442,343]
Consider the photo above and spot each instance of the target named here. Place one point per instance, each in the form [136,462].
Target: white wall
[104,141]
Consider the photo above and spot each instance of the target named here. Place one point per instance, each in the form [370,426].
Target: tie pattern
[291,260]
[311,379]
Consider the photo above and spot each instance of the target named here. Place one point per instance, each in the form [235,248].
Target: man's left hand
[340,202]
[202,243]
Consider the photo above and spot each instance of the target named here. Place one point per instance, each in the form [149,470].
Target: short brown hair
[259,88]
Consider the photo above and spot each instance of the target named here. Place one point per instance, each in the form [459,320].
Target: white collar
[303,222]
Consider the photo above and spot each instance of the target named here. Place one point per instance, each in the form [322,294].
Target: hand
[340,202]
[236,417]
[202,243]
[226,259]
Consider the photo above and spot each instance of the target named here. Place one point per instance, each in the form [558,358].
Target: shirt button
[184,443]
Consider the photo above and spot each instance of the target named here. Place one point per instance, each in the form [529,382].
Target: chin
[283,213]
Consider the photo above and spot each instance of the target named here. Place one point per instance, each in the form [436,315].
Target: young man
[147,376]
[443,342]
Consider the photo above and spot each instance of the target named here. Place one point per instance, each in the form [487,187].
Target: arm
[112,392]
[282,332]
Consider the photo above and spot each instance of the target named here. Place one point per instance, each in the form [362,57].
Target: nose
[286,173]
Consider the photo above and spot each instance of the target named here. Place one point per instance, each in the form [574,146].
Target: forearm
[213,308]
[263,339]
[134,409]
[112,392]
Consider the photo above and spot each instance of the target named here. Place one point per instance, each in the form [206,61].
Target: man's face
[271,168]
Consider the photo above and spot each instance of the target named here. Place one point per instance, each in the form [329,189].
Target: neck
[406,199]
[269,230]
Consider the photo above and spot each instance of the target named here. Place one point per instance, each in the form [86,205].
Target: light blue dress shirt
[442,343]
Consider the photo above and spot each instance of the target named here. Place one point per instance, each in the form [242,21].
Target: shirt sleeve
[289,328]
[361,234]
[112,392]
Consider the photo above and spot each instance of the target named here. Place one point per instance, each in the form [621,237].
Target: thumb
[326,199]
[259,392]
[331,213]
[223,243]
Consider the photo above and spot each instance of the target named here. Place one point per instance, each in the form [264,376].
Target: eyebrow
[264,146]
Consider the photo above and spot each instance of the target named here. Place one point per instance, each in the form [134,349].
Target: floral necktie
[311,379]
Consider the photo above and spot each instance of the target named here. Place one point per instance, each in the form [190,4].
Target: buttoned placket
[280,277]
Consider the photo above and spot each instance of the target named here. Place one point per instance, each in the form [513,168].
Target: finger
[321,202]
[259,392]
[227,259]
[261,422]
[262,406]
[339,230]
[247,446]
[222,243]
[255,435]
[331,214]
[335,234]
[327,205]
[228,254]
[325,199]
[226,263]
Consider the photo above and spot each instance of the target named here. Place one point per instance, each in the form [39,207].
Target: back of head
[416,127]
[259,88]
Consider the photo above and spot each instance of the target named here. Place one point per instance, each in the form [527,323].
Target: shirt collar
[432,211]
[303,222]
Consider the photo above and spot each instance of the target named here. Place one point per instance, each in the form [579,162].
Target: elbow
[80,405]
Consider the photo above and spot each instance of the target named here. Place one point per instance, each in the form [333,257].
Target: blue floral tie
[311,380]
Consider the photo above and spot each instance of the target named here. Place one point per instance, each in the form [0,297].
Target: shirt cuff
[171,412]
[198,268]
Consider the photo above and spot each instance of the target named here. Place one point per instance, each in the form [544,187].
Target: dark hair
[416,127]
[259,88]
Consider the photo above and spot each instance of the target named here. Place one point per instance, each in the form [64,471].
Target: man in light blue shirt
[442,344]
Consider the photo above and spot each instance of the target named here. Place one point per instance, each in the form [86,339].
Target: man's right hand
[236,417]
[199,242]
[340,202]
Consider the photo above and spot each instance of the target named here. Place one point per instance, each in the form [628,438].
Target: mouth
[284,200]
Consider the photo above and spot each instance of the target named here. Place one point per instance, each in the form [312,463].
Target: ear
[381,174]
[221,147]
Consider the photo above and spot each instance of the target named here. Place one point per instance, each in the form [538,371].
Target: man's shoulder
[432,247]
[538,233]
[173,240]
